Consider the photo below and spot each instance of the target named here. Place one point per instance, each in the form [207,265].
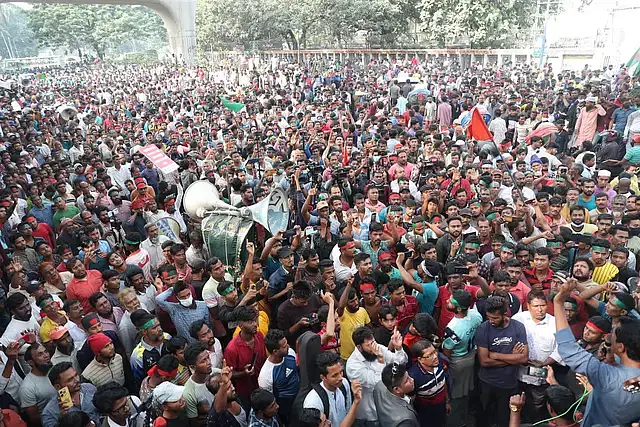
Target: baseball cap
[58,332]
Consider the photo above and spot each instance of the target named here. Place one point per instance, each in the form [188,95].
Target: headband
[569,304]
[455,302]
[506,248]
[349,245]
[170,273]
[423,266]
[599,248]
[227,291]
[473,245]
[44,302]
[155,370]
[553,244]
[620,304]
[367,287]
[148,324]
[131,242]
[595,328]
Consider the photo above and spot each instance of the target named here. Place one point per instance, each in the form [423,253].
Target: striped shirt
[429,386]
[99,373]
[605,273]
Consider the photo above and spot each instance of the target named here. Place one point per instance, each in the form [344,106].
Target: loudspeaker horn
[272,212]
[202,198]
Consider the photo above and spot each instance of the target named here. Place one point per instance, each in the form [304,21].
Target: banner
[159,159]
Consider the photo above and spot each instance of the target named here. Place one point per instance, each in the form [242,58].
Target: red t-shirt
[82,289]
[238,355]
[407,312]
[44,232]
[445,315]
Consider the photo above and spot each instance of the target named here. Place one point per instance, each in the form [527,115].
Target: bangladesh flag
[634,61]
[233,106]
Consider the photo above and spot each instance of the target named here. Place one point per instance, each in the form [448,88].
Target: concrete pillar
[179,17]
[485,59]
[513,58]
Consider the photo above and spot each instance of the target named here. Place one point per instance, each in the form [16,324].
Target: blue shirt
[183,317]
[590,205]
[607,383]
[500,340]
[620,116]
[427,298]
[51,412]
[43,215]
[101,263]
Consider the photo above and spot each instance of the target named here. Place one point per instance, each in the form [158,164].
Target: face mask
[187,302]
[280,171]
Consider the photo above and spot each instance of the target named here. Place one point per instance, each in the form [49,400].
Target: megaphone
[272,212]
[67,112]
[202,198]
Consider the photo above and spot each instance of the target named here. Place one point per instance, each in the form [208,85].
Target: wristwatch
[514,408]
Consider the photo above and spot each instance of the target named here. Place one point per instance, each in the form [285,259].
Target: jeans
[495,405]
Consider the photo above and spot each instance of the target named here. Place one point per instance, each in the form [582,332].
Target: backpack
[325,398]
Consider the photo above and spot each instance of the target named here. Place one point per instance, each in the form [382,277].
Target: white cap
[167,392]
[604,172]
[591,99]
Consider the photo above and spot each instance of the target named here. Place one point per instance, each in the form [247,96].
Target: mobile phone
[25,339]
[313,321]
[538,372]
[64,397]
[461,270]
[253,360]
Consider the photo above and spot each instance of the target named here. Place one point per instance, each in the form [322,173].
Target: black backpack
[325,398]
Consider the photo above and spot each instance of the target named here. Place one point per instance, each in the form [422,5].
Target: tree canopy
[99,28]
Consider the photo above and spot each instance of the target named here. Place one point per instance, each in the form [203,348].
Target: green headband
[620,304]
[599,248]
[148,324]
[131,242]
[454,302]
[227,291]
[492,216]
[44,302]
[506,248]
[570,304]
[553,244]
[472,245]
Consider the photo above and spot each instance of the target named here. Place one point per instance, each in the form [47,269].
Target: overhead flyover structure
[179,17]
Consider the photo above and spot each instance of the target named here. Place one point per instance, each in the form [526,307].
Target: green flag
[634,59]
[233,106]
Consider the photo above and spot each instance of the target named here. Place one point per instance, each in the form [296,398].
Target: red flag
[478,129]
[345,154]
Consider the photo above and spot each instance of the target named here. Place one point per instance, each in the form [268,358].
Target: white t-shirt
[265,378]
[216,357]
[16,327]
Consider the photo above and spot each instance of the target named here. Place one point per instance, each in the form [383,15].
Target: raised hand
[251,249]
[356,388]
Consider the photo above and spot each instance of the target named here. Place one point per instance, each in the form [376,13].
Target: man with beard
[376,245]
[279,374]
[502,347]
[22,318]
[307,268]
[586,124]
[448,245]
[226,411]
[107,364]
[63,375]
[593,335]
[587,198]
[36,389]
[123,207]
[153,245]
[246,353]
[108,315]
[603,270]
[84,283]
[577,224]
[150,348]
[366,364]
[65,347]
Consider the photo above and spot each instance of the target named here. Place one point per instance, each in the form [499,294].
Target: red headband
[595,328]
[349,245]
[155,370]
[367,287]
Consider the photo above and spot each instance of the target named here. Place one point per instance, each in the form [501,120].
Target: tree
[16,39]
[487,23]
[93,27]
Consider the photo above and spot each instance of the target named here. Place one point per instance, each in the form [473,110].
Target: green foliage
[99,28]
[16,39]
[260,24]
[486,23]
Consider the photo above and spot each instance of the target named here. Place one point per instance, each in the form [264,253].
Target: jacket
[393,411]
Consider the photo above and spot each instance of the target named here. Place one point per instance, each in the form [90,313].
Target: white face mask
[187,302]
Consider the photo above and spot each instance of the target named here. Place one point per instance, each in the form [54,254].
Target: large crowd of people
[426,276]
